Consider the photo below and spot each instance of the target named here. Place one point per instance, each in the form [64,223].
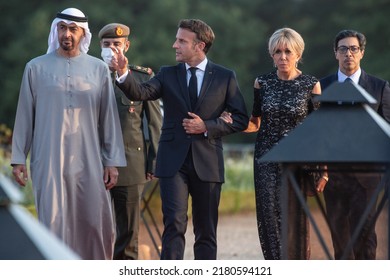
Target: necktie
[193,87]
[348,80]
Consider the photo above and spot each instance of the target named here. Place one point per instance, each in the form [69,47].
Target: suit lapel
[367,84]
[363,80]
[327,82]
[207,79]
[335,78]
[182,78]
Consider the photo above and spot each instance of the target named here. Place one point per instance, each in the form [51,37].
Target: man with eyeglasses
[347,195]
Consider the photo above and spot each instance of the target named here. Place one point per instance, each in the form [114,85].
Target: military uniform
[141,123]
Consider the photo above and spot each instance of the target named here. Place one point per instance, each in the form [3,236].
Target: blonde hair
[286,37]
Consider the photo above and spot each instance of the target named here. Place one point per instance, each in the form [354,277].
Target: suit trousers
[205,198]
[127,218]
[346,200]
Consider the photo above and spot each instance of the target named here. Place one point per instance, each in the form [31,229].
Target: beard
[67,44]
[66,47]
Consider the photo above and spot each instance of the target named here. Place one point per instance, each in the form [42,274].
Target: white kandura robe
[67,116]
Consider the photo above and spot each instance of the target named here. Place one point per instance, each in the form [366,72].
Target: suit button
[138,149]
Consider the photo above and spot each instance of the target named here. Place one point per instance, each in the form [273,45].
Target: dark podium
[346,135]
[22,237]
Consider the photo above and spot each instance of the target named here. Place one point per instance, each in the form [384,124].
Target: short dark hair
[350,33]
[203,32]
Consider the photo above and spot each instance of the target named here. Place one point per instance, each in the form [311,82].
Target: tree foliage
[242,29]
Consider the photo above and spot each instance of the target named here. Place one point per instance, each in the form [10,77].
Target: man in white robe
[67,117]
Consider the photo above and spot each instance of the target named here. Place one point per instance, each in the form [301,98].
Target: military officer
[141,123]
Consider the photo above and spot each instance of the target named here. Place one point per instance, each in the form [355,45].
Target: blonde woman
[282,99]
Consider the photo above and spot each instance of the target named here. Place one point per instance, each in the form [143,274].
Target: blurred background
[242,29]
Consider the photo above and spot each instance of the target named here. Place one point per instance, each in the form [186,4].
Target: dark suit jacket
[140,138]
[378,88]
[219,92]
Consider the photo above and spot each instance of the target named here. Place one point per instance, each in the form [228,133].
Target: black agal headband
[72,18]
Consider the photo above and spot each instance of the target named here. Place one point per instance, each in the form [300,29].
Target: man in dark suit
[190,155]
[347,194]
[140,155]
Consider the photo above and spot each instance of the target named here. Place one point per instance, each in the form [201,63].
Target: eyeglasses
[344,49]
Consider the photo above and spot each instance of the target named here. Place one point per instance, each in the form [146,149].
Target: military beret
[114,30]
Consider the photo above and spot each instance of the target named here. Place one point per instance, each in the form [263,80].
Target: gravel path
[238,239]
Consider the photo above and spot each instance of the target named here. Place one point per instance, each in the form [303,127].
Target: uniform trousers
[127,216]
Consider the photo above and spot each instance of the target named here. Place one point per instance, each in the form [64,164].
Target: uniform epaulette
[142,69]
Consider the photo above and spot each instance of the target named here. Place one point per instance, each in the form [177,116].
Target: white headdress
[70,15]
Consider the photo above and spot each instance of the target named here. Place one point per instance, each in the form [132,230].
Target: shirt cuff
[122,78]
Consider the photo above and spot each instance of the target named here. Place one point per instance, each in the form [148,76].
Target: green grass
[239,174]
[238,190]
[233,201]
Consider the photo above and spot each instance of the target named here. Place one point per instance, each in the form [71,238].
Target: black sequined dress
[282,105]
